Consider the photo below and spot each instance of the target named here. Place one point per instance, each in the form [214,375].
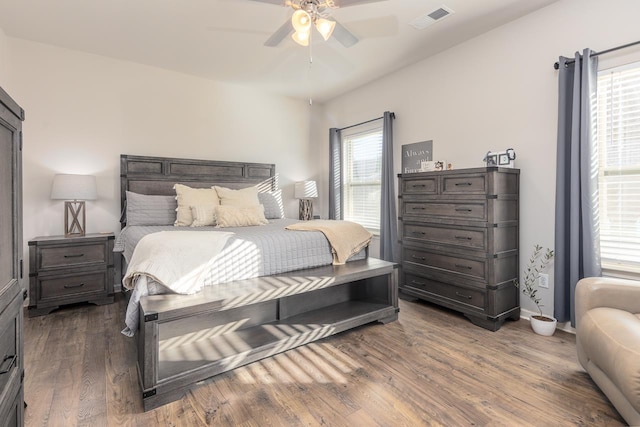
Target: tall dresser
[459,241]
[11,293]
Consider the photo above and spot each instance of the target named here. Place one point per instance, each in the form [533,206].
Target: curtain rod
[393,115]
[613,49]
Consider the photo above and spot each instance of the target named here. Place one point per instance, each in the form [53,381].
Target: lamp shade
[325,27]
[301,20]
[74,187]
[305,190]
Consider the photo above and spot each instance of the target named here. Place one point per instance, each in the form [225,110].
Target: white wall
[494,92]
[83,111]
[4,61]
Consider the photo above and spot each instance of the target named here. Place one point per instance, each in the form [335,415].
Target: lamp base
[306,209]
[74,212]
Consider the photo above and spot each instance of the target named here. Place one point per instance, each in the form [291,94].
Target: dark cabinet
[459,240]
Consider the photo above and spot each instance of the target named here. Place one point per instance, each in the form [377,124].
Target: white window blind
[619,175]
[362,164]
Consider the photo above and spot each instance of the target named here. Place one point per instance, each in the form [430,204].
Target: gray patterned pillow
[272,202]
[143,209]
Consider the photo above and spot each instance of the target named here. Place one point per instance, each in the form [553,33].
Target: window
[618,136]
[362,172]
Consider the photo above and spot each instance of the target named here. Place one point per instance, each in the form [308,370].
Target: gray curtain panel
[335,174]
[388,218]
[577,238]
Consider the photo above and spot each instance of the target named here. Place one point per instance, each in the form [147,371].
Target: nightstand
[70,270]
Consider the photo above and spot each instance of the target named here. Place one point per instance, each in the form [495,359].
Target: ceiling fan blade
[347,3]
[276,2]
[281,33]
[344,36]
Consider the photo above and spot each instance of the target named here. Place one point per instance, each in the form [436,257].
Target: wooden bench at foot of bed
[184,339]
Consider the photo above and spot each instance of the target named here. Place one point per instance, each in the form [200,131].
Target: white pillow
[203,216]
[187,197]
[233,216]
[243,198]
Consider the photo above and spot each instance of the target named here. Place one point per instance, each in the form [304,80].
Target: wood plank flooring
[431,367]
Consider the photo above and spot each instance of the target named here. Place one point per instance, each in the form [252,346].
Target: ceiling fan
[313,13]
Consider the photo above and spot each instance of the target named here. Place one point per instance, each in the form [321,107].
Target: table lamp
[305,190]
[74,189]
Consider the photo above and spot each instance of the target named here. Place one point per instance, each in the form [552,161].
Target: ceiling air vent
[423,21]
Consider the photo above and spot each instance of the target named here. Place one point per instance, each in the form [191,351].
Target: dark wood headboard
[157,175]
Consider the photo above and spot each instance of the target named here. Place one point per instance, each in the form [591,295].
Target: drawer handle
[463,183]
[463,210]
[463,237]
[421,258]
[415,282]
[422,233]
[73,286]
[13,361]
[418,208]
[463,266]
[418,185]
[463,295]
[74,256]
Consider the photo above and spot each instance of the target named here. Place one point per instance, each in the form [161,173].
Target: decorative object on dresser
[459,241]
[11,294]
[74,189]
[305,191]
[67,270]
[415,155]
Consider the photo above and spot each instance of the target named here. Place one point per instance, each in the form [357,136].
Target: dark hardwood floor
[432,367]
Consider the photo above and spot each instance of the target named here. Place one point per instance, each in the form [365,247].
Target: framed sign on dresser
[11,293]
[459,241]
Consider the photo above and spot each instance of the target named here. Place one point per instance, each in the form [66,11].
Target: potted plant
[540,323]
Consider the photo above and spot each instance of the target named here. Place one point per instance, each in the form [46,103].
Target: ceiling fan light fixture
[325,27]
[301,37]
[301,20]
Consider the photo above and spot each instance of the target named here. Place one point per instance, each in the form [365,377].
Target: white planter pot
[543,327]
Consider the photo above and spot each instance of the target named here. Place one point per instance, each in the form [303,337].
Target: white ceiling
[223,39]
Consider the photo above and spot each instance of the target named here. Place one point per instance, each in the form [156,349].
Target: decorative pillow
[203,216]
[272,203]
[143,209]
[243,198]
[233,216]
[187,197]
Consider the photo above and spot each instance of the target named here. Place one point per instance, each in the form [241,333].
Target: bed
[269,290]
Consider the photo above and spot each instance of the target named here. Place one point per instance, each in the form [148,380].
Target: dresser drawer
[439,290]
[9,344]
[77,255]
[469,210]
[420,186]
[71,285]
[447,235]
[450,264]
[473,184]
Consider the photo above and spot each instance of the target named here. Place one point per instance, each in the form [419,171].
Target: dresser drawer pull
[418,185]
[422,233]
[415,282]
[463,210]
[418,208]
[74,256]
[463,295]
[421,258]
[13,360]
[463,266]
[463,183]
[463,237]
[73,286]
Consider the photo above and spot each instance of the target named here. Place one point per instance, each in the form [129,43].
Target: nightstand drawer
[65,256]
[79,284]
